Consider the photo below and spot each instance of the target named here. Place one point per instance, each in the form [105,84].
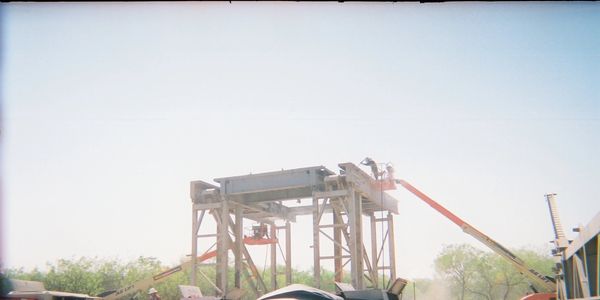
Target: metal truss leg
[316,246]
[288,253]
[374,256]
[337,247]
[223,239]
[392,245]
[259,286]
[238,245]
[196,222]
[356,244]
[195,228]
[273,259]
[582,276]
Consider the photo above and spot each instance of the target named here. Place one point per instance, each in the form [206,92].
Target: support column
[195,228]
[238,245]
[392,244]
[374,260]
[250,264]
[356,241]
[222,246]
[288,253]
[337,248]
[316,250]
[273,235]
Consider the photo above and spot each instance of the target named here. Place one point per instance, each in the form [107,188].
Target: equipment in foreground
[25,289]
[148,283]
[344,291]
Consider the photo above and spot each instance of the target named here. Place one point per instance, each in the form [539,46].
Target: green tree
[89,275]
[475,274]
[93,276]
[77,276]
[458,264]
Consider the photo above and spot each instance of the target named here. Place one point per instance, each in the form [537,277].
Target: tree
[89,275]
[93,276]
[458,264]
[475,274]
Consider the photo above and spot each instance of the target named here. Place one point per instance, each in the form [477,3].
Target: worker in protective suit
[371,163]
[260,231]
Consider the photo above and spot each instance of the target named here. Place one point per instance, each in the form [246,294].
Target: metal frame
[579,280]
[229,237]
[349,198]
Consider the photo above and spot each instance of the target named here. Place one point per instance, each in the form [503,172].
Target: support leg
[273,234]
[316,252]
[223,246]
[356,245]
[288,253]
[195,228]
[392,244]
[374,259]
[238,245]
[337,248]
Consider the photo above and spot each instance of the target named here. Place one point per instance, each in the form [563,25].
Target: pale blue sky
[111,109]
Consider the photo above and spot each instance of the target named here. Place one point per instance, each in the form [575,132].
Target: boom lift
[146,283]
[534,276]
[259,237]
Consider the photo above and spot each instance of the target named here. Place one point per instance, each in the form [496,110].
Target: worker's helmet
[152,291]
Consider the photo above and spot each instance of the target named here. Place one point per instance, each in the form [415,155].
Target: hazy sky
[110,110]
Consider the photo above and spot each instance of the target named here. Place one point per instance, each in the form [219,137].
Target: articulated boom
[532,274]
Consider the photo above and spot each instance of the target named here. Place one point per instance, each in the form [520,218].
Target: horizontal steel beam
[330,194]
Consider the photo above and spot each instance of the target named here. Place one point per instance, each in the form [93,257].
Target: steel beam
[304,210]
[260,212]
[285,180]
[331,194]
[335,243]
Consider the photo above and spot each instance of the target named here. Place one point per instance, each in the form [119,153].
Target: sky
[109,110]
